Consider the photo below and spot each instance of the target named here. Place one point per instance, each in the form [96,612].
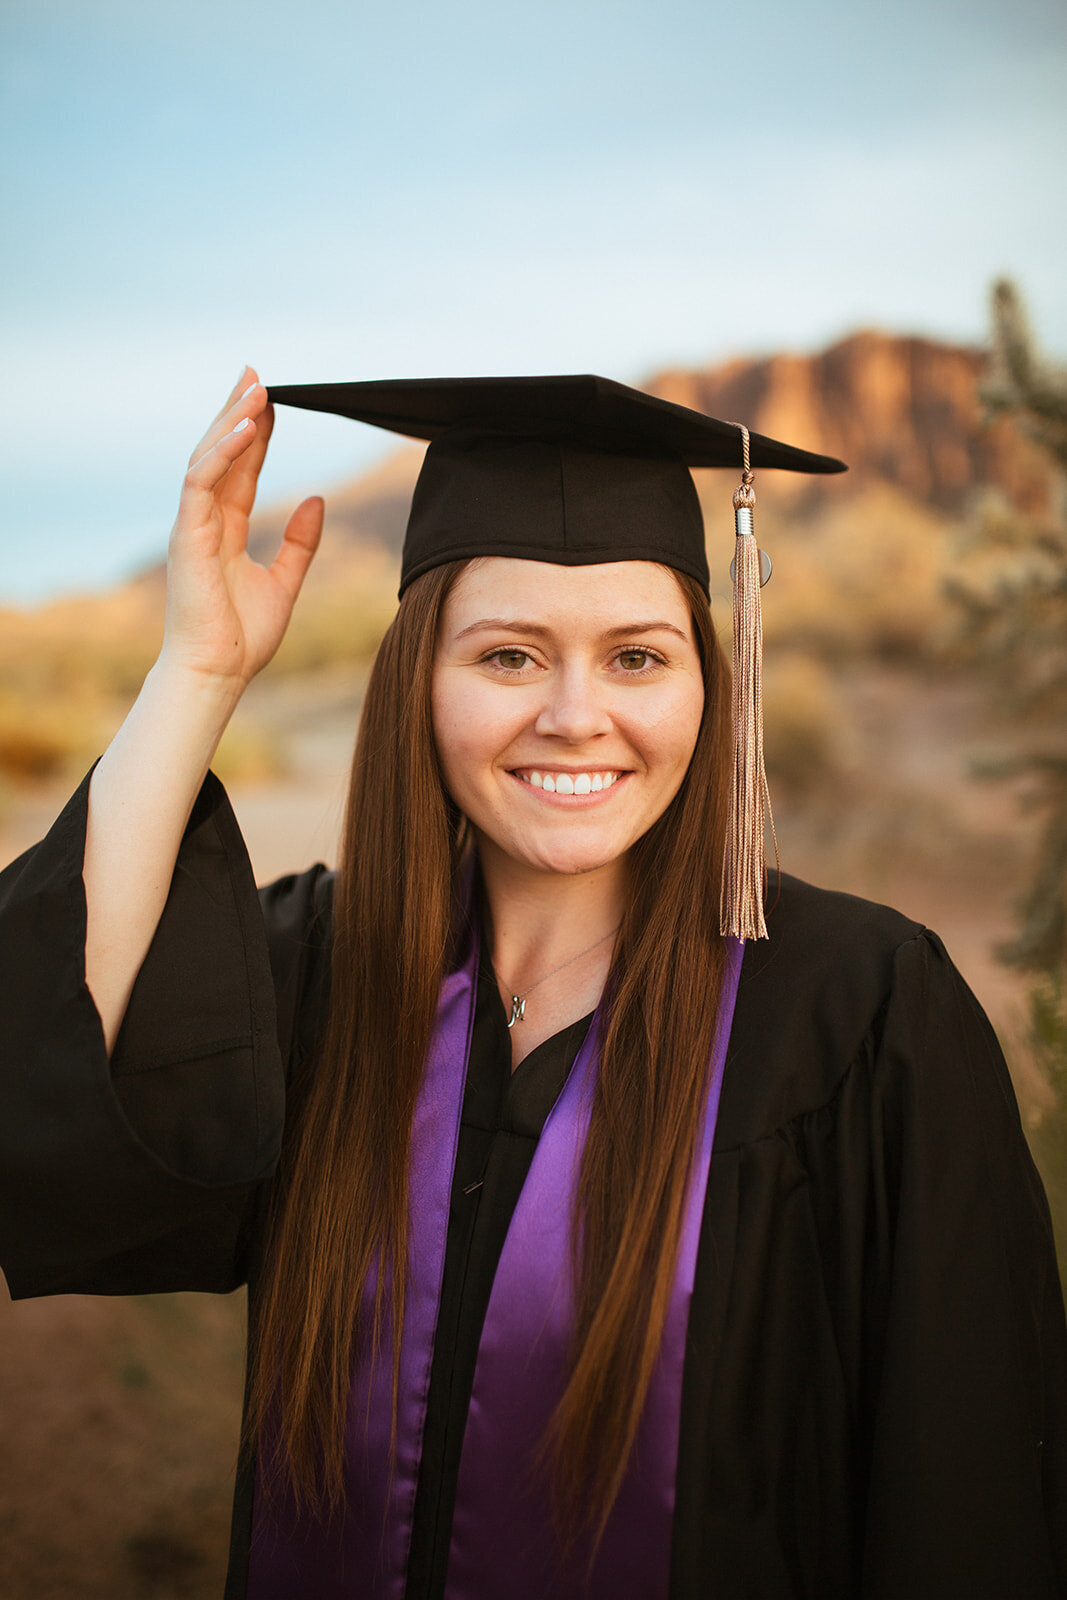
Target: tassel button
[765,569]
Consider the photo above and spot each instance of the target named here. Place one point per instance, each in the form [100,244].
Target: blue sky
[345,191]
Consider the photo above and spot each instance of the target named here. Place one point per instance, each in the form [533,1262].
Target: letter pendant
[518,1010]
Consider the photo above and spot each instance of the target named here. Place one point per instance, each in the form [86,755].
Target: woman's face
[566,705]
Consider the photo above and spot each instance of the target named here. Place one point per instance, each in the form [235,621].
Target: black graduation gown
[875,1392]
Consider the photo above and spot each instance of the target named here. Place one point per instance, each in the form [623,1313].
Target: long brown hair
[341,1195]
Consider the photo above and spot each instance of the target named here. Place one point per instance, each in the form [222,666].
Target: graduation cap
[579,470]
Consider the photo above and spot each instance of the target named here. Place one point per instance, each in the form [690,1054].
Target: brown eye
[511,660]
[633,660]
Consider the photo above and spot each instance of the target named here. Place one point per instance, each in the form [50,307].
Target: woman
[727,1268]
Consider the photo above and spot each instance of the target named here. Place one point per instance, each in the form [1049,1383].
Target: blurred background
[842,225]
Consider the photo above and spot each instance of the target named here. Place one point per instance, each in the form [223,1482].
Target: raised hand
[226,614]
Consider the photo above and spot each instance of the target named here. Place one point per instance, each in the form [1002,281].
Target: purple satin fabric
[502,1541]
[363,1555]
[501,1544]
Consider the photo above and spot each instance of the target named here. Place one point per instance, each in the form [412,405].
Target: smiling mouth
[568,782]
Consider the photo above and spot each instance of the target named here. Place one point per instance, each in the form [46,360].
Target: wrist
[189,708]
[187,686]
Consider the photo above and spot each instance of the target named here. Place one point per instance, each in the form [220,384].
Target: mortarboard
[578,470]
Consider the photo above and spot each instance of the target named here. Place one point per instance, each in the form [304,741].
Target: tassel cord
[744,866]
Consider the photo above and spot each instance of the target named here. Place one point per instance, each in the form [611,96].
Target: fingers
[198,491]
[249,375]
[248,404]
[301,539]
[238,489]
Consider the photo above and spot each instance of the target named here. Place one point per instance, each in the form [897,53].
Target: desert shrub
[861,581]
[1011,601]
[801,718]
[43,738]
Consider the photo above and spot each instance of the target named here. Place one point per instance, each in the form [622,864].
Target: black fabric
[493,495]
[106,1182]
[579,407]
[574,470]
[874,1398]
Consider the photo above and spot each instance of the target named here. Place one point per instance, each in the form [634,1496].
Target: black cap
[574,470]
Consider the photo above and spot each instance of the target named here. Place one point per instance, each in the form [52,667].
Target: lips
[587,781]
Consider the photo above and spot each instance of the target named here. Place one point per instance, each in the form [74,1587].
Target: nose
[573,707]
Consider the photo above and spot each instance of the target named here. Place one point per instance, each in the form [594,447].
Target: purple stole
[502,1540]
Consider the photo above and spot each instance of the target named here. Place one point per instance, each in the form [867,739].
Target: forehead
[605,592]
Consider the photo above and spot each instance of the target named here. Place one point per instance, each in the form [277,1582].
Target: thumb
[299,543]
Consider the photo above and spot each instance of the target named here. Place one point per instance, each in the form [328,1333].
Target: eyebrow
[538,629]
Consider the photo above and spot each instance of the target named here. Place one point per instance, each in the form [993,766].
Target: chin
[571,860]
[568,853]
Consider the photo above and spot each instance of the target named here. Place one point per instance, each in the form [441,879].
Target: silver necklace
[518,1001]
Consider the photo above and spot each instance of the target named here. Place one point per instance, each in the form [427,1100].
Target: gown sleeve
[142,1173]
[966,1368]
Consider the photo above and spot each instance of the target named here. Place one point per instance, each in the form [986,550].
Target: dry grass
[69,671]
[251,752]
[47,737]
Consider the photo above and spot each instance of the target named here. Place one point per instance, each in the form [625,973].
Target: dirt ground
[120,1416]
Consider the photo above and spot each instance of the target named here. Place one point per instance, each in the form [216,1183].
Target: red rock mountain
[900,411]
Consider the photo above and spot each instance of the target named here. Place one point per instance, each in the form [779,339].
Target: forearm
[140,799]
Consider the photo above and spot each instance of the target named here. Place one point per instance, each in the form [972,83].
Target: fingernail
[248,391]
[242,372]
[244,423]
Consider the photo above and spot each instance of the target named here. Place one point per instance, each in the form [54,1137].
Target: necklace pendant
[518,1010]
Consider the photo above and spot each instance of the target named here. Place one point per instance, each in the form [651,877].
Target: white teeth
[568,782]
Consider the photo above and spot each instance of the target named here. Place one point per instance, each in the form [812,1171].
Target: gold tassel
[744,869]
